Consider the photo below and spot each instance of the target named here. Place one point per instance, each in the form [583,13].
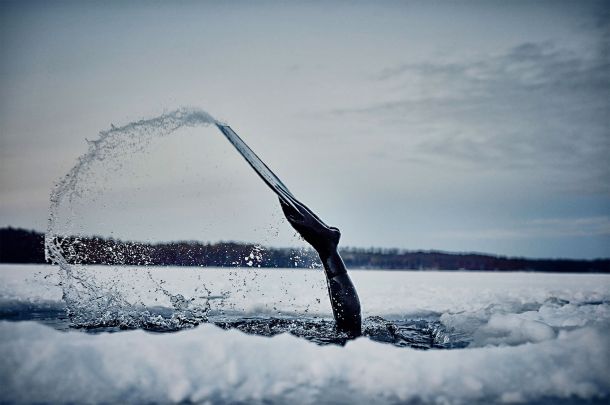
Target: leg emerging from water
[343,297]
[325,239]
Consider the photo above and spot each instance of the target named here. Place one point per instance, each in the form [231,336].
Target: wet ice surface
[518,337]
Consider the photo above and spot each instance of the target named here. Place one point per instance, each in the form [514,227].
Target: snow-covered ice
[532,338]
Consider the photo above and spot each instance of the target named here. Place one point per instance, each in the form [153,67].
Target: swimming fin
[260,168]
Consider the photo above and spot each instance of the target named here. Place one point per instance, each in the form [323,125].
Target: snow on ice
[533,338]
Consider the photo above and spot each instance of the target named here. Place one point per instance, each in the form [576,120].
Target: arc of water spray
[136,135]
[110,144]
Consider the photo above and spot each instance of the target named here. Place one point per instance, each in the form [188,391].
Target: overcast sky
[459,126]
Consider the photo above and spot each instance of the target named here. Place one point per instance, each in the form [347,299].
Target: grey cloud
[526,66]
[534,106]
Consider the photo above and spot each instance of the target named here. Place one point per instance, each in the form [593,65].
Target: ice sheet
[533,338]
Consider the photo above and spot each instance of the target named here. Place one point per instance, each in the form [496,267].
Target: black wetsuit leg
[343,296]
[325,239]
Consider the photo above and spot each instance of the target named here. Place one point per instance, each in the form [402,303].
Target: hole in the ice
[413,333]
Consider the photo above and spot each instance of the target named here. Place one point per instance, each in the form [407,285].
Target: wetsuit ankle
[333,264]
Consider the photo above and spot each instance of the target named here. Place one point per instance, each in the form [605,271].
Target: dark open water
[414,333]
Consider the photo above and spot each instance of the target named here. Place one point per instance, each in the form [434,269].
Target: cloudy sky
[459,126]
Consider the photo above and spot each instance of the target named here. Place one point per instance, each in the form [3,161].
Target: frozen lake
[493,337]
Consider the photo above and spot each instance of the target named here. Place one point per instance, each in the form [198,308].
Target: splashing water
[101,303]
[89,301]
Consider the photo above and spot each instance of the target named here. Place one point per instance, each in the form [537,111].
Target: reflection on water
[413,333]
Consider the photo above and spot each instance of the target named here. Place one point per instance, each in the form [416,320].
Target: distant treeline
[22,246]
